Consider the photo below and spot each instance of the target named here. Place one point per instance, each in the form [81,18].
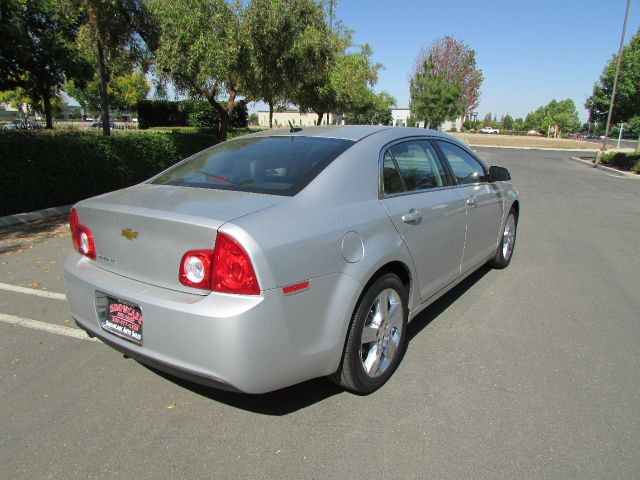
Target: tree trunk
[270,113]
[320,115]
[427,124]
[46,99]
[104,96]
[225,113]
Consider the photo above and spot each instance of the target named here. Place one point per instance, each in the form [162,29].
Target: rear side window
[272,165]
[417,165]
[391,176]
[465,168]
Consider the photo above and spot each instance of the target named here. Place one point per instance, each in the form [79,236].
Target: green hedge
[623,160]
[194,113]
[154,113]
[40,170]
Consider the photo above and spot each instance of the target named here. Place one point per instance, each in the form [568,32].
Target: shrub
[49,169]
[194,113]
[240,116]
[623,160]
[200,113]
[154,113]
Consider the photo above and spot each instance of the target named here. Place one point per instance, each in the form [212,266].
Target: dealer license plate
[123,319]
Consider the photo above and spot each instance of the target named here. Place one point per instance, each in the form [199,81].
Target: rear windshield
[272,165]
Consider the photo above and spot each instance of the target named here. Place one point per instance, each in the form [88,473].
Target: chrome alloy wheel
[382,332]
[509,237]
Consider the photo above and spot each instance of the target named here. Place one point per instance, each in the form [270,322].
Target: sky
[530,52]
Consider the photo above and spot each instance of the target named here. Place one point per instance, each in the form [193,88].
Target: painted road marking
[45,327]
[32,291]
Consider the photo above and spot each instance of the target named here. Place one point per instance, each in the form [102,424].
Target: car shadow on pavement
[296,397]
[281,402]
[436,308]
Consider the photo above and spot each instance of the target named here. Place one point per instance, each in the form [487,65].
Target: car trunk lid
[143,231]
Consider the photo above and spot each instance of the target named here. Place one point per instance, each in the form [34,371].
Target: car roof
[349,132]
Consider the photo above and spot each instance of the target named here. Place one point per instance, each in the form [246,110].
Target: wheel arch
[516,207]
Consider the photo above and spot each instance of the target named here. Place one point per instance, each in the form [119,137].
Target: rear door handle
[471,202]
[414,216]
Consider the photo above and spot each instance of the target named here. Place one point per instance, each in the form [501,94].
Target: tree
[272,28]
[455,62]
[200,51]
[556,116]
[487,120]
[518,124]
[338,76]
[507,122]
[378,114]
[37,51]
[627,100]
[433,99]
[124,91]
[115,37]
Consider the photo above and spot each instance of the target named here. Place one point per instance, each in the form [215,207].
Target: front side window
[272,165]
[465,168]
[417,164]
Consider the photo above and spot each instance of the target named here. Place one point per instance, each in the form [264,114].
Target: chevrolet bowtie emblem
[129,234]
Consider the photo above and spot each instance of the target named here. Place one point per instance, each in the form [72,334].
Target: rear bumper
[252,344]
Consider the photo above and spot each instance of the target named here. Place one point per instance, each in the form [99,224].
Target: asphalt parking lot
[530,372]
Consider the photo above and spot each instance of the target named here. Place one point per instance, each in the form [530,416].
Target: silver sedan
[283,256]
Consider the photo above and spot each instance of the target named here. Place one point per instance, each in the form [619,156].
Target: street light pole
[615,84]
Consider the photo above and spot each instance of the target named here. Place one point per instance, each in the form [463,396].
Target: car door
[427,210]
[483,201]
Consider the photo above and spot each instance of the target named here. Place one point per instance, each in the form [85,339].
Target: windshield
[273,165]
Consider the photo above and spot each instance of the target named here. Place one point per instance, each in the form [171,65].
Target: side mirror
[499,174]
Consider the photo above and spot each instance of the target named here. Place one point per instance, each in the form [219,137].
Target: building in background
[400,116]
[282,119]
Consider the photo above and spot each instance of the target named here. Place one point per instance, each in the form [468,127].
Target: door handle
[414,216]
[471,202]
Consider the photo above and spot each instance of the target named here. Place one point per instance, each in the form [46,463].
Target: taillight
[195,269]
[227,268]
[232,270]
[81,235]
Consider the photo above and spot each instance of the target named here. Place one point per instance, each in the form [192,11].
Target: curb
[606,169]
[558,149]
[21,218]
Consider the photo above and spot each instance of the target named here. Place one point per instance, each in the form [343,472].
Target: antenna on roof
[294,129]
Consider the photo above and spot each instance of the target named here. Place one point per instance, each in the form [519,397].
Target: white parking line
[45,327]
[32,291]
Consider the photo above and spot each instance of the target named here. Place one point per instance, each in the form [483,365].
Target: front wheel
[376,338]
[507,242]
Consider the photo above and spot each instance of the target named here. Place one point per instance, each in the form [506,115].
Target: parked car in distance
[286,255]
[22,125]
[489,130]
[113,126]
[14,125]
[534,132]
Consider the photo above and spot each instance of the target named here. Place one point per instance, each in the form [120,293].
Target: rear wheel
[376,338]
[507,242]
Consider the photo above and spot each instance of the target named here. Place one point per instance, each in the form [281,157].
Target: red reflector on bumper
[296,287]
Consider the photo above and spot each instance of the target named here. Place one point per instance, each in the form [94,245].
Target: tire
[507,242]
[376,339]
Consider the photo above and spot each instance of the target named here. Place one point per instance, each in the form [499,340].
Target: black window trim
[382,195]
